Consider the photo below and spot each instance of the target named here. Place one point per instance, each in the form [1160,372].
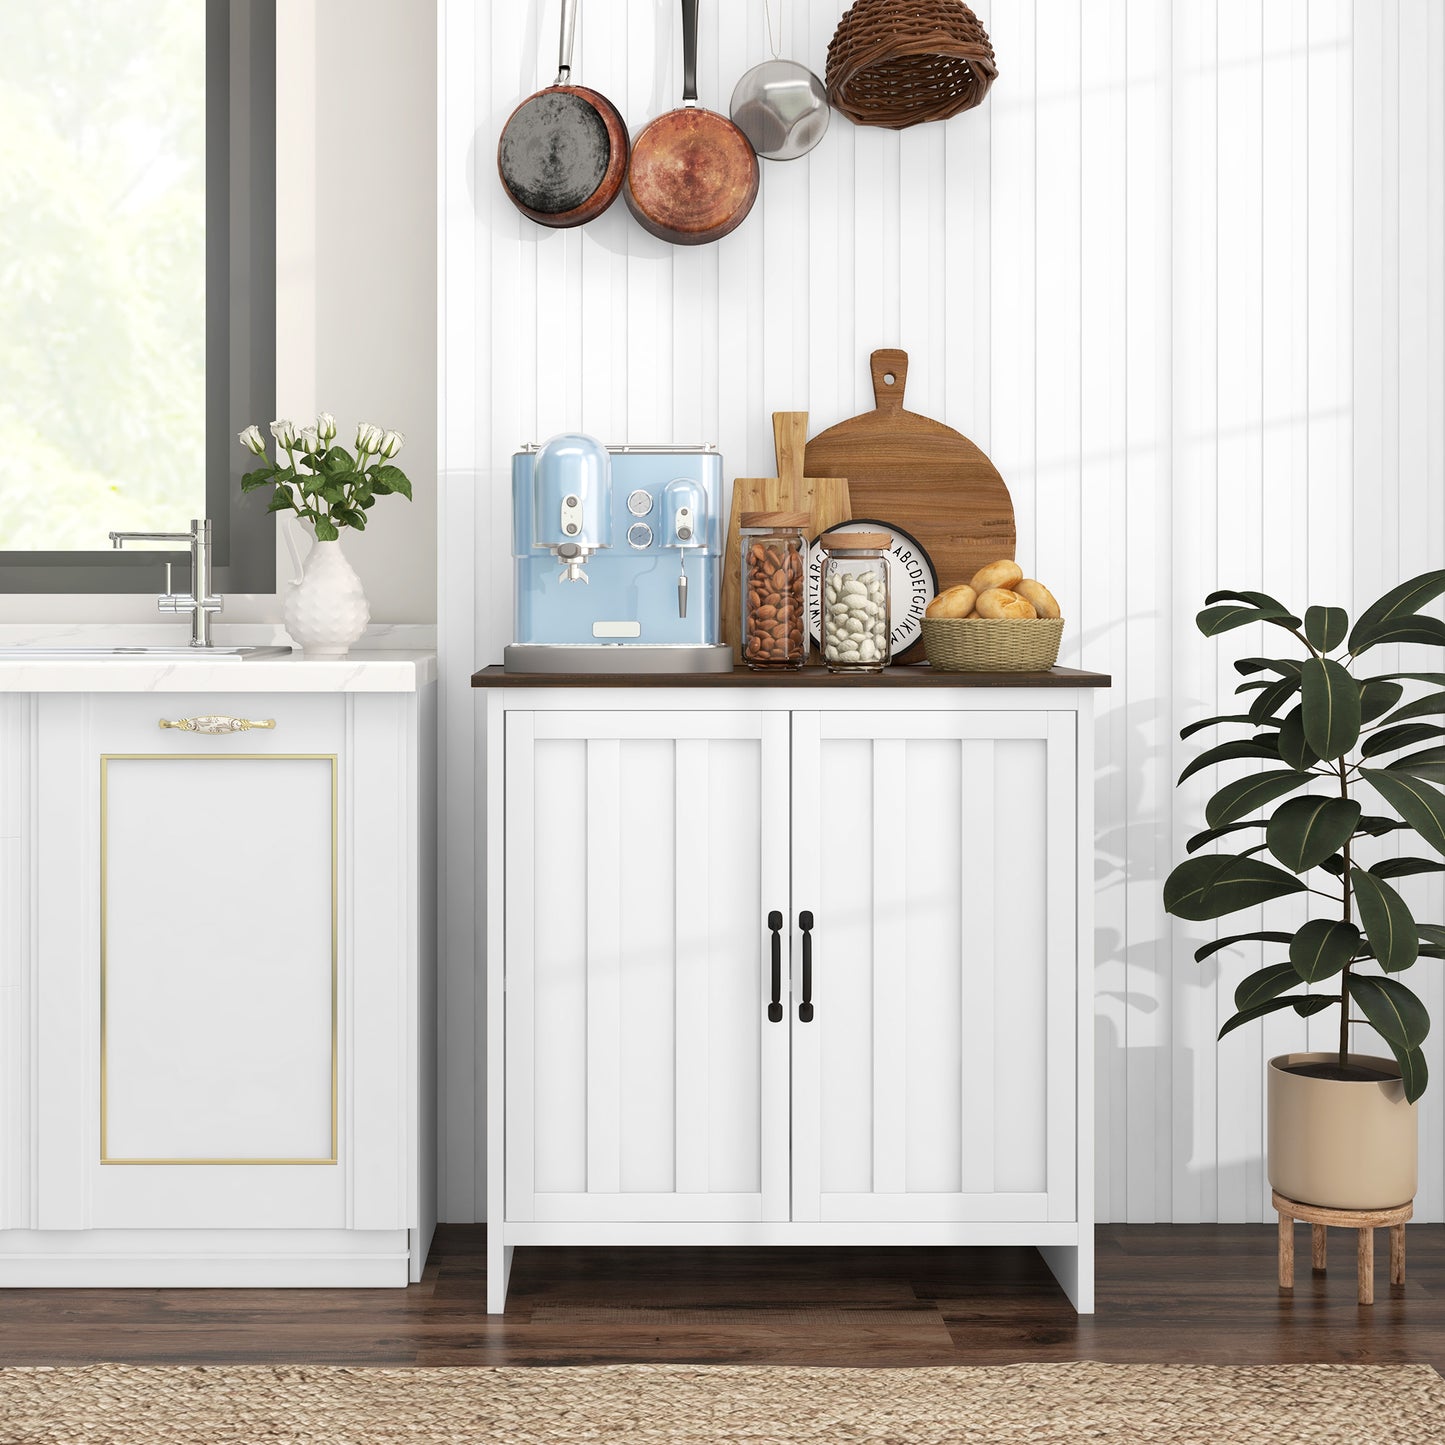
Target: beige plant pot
[1339,1143]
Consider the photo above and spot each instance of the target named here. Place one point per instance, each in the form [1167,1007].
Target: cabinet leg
[1318,1234]
[1367,1266]
[1073,1267]
[1286,1252]
[499,1273]
[1397,1254]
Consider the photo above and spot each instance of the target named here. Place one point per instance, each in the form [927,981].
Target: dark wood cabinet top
[890,678]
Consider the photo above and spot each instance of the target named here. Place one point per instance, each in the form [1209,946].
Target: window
[137,285]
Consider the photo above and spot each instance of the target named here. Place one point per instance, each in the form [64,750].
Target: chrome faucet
[199,603]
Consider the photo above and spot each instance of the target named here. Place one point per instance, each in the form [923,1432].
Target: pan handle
[689,53]
[564,47]
[888,396]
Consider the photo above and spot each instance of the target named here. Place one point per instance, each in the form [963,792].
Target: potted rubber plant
[1349,761]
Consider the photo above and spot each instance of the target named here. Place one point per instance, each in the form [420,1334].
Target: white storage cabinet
[918,858]
[219,1007]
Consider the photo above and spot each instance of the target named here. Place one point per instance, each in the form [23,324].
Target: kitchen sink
[40,653]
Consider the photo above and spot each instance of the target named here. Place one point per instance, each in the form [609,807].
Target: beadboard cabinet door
[935,1081]
[644,854]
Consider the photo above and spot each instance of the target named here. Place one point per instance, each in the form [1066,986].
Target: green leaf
[281,502]
[395,480]
[1394,939]
[1436,679]
[1304,831]
[1330,698]
[1292,745]
[1372,825]
[1225,752]
[1397,1014]
[1419,804]
[1322,947]
[1210,834]
[1325,627]
[1405,867]
[1214,620]
[1377,698]
[1218,944]
[1245,795]
[326,530]
[1432,933]
[1201,888]
[258,478]
[1399,602]
[1304,1007]
[1255,599]
[1429,630]
[1209,722]
[1428,763]
[1413,1073]
[1404,736]
[1284,666]
[1430,705]
[1335,864]
[1268,703]
[1268,983]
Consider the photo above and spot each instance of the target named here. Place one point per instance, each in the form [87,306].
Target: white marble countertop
[365,669]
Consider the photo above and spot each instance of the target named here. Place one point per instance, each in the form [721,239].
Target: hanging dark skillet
[693,176]
[563,153]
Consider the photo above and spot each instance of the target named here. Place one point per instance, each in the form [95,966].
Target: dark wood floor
[1200,1293]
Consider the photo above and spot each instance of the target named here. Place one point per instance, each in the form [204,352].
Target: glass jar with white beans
[854,606]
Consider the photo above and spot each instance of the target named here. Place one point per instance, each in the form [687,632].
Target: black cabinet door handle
[805,1009]
[775,1009]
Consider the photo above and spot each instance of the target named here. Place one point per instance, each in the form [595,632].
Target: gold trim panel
[105,760]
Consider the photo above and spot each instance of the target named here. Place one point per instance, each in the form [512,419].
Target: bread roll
[1001,602]
[1040,596]
[997,574]
[953,602]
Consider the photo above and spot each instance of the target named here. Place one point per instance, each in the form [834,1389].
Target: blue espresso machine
[617,555]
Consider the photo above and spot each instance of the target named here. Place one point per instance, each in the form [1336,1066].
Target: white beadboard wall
[1182,276]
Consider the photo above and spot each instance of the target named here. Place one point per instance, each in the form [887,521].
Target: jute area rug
[680,1404]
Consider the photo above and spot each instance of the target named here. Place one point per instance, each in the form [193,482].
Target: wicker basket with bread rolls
[1000,621]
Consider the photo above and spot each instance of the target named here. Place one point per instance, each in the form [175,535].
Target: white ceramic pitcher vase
[325,610]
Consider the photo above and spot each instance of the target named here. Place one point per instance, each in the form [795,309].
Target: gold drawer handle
[216,724]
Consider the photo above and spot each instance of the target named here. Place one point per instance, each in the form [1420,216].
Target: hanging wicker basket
[896,63]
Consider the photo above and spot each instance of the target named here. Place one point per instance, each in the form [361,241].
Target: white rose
[391,443]
[251,439]
[284,431]
[310,440]
[326,426]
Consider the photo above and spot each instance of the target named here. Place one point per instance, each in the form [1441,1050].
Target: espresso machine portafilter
[573,506]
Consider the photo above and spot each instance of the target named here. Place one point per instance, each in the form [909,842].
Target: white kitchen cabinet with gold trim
[790,961]
[217,984]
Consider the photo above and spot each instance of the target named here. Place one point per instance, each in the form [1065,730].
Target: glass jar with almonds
[774,554]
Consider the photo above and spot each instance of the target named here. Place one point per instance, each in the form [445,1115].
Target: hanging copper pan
[563,153]
[693,176]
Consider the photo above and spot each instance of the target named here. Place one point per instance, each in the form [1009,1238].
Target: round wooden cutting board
[920,475]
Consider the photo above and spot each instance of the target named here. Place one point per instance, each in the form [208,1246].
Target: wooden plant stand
[1366,1221]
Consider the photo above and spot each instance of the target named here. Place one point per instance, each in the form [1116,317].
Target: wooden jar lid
[773,519]
[856,541]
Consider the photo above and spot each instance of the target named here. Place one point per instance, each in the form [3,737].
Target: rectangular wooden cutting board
[825,499]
